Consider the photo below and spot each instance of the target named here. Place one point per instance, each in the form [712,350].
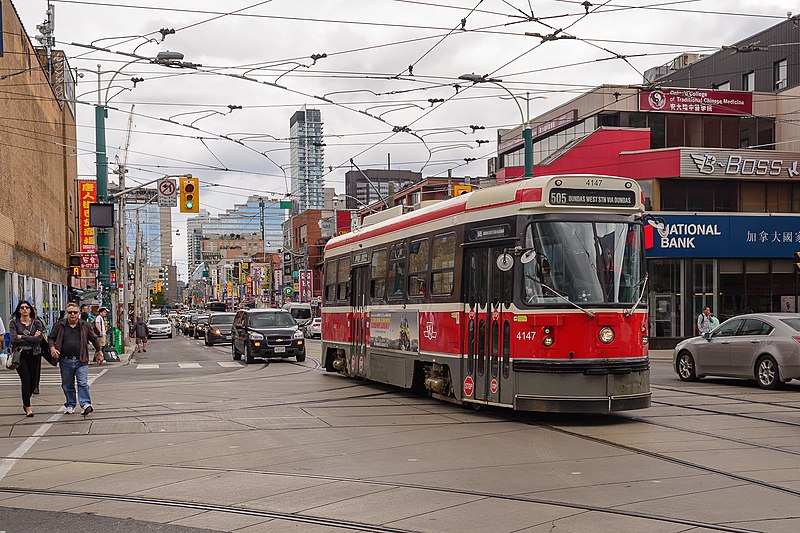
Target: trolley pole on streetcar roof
[527,133]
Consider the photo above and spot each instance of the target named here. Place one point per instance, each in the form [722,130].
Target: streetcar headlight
[606,335]
[548,341]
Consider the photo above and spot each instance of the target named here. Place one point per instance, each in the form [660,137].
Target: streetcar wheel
[686,369]
[767,373]
[235,353]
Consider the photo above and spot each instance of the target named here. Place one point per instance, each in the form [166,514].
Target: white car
[314,328]
[159,325]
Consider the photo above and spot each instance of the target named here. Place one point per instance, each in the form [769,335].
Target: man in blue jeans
[69,346]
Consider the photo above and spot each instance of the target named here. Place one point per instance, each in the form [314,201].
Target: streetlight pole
[527,133]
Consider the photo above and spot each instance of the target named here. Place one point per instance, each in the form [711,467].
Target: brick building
[38,173]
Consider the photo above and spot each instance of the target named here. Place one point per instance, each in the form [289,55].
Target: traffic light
[190,195]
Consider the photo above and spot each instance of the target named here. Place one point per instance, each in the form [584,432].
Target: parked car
[314,328]
[219,328]
[159,325]
[761,346]
[200,326]
[266,333]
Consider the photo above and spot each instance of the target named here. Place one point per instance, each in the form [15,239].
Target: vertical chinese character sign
[87,192]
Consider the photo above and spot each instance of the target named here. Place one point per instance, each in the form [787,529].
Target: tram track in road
[665,457]
[727,397]
[310,519]
[206,507]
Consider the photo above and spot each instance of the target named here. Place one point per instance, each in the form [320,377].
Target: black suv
[266,333]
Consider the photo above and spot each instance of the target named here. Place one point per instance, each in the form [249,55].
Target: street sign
[167,192]
[288,291]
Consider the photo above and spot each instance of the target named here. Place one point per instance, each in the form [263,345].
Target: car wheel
[235,353]
[205,340]
[248,359]
[169,336]
[767,373]
[685,367]
[209,343]
[301,357]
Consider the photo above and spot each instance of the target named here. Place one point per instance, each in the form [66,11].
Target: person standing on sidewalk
[140,329]
[26,335]
[706,322]
[100,326]
[68,344]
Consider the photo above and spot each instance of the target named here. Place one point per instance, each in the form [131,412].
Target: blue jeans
[70,370]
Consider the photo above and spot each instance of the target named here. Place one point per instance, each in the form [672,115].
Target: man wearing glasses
[69,346]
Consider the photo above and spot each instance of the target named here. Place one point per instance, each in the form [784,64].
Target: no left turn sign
[167,192]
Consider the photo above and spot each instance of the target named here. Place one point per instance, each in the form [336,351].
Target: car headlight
[256,336]
[297,334]
[216,332]
[606,335]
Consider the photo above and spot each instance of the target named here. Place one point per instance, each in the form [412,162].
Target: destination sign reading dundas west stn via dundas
[592,197]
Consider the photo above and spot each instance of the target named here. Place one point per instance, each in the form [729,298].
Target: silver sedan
[763,346]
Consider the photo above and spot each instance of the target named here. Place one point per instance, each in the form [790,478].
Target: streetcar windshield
[586,262]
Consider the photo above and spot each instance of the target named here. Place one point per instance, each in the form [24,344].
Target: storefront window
[665,297]
[694,130]
[757,280]
[704,285]
[784,288]
[730,132]
[674,131]
[712,131]
[658,130]
[731,289]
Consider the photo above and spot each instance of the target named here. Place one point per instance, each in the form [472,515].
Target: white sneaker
[69,410]
[87,409]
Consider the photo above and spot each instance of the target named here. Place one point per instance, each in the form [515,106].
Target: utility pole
[101,160]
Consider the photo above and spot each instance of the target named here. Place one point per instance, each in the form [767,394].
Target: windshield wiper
[565,297]
[641,295]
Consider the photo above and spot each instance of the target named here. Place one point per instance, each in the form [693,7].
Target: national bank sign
[722,236]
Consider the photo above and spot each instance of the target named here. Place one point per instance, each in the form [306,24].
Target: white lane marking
[27,444]
[229,364]
[147,367]
[189,365]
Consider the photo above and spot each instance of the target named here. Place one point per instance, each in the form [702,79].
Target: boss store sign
[704,163]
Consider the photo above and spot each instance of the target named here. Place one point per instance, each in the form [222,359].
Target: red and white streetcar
[527,295]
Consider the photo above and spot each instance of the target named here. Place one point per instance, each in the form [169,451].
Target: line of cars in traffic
[252,333]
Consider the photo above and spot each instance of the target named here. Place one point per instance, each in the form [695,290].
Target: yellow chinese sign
[87,194]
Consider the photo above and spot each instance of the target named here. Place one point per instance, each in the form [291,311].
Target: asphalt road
[184,437]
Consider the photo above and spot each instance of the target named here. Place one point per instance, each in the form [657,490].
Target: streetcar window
[481,347]
[344,278]
[583,262]
[502,289]
[472,280]
[397,271]
[495,340]
[418,268]
[471,346]
[378,283]
[506,348]
[330,281]
[443,262]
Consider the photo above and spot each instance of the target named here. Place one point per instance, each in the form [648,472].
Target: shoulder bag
[12,363]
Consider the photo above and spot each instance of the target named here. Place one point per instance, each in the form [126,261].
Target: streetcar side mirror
[527,257]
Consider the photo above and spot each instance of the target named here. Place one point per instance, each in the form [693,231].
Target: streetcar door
[359,299]
[488,291]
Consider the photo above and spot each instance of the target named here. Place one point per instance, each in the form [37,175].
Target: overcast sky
[370,45]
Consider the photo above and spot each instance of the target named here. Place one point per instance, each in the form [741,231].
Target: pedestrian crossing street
[51,376]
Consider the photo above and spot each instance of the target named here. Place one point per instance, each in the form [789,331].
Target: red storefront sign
[87,194]
[90,261]
[700,101]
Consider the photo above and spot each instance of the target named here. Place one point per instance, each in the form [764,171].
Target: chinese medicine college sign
[700,101]
[720,236]
[87,194]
